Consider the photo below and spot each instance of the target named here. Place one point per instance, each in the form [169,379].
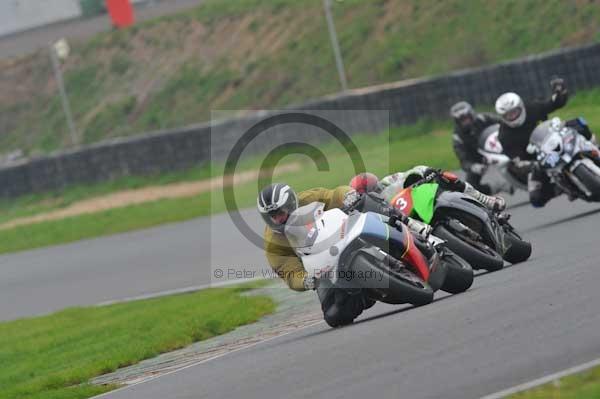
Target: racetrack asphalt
[143,262]
[513,326]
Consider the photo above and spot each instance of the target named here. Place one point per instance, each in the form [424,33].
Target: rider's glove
[351,198]
[449,177]
[558,86]
[477,168]
[311,283]
[430,175]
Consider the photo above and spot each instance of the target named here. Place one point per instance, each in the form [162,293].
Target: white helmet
[511,108]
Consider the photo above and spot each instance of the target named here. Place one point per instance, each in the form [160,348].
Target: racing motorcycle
[568,158]
[480,236]
[371,252]
[513,172]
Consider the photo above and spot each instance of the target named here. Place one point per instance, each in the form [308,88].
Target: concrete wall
[19,15]
[406,101]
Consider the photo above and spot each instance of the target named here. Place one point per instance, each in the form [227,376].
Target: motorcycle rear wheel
[460,274]
[398,288]
[479,257]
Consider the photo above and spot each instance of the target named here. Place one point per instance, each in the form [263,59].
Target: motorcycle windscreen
[301,230]
[552,143]
[423,197]
[546,135]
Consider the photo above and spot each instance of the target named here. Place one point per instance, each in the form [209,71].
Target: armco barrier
[407,101]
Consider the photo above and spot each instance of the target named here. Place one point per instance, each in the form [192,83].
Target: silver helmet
[463,114]
[275,203]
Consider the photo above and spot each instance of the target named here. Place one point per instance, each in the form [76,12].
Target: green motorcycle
[482,237]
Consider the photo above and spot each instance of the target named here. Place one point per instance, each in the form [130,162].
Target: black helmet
[463,114]
[275,203]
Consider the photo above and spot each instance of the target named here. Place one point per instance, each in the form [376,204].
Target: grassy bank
[424,143]
[585,385]
[242,54]
[54,356]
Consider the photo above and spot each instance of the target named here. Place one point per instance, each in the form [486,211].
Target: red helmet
[365,182]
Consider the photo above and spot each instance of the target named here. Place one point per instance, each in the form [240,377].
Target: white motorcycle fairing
[319,237]
[557,147]
[493,155]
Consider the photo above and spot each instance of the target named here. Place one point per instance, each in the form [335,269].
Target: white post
[63,94]
[336,46]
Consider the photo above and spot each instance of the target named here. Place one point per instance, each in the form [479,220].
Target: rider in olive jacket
[275,203]
[280,255]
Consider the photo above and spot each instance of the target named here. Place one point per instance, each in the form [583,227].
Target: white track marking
[185,290]
[543,380]
[107,394]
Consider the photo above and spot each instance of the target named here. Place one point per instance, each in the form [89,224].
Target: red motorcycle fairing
[403,201]
[404,248]
[414,257]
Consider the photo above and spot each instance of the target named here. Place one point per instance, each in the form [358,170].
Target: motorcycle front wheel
[517,250]
[460,274]
[589,180]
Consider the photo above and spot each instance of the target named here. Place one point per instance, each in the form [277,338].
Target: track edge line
[106,394]
[543,380]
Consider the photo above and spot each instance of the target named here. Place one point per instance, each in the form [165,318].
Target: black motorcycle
[480,236]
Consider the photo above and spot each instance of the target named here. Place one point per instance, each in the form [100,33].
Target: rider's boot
[496,204]
[418,227]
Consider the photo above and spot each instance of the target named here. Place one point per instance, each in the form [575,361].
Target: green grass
[240,54]
[585,385]
[427,142]
[55,356]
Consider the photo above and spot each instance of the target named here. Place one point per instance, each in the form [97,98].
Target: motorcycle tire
[589,179]
[460,274]
[479,257]
[518,250]
[396,287]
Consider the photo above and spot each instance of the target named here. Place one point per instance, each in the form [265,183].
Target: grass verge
[55,356]
[238,54]
[584,385]
[427,142]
